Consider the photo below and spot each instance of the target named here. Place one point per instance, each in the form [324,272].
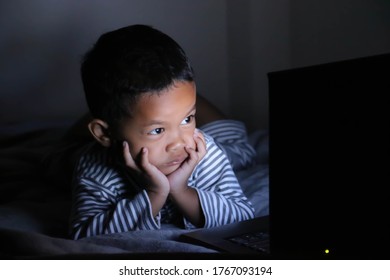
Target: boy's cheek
[135,151]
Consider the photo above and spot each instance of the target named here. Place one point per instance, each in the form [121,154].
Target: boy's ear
[99,130]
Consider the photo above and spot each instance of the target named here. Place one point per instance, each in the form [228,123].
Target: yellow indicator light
[326,251]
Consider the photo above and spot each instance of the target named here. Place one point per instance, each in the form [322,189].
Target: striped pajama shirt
[104,201]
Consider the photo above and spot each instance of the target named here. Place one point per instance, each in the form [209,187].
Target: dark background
[232,45]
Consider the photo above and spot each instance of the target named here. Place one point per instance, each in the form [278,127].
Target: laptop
[329,159]
[246,237]
[329,164]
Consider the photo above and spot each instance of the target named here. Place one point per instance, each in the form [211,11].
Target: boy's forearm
[157,200]
[94,215]
[188,202]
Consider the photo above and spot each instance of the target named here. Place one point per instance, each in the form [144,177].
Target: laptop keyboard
[258,241]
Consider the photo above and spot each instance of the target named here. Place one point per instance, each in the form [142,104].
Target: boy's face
[164,123]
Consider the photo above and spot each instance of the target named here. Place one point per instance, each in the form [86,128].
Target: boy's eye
[187,120]
[156,131]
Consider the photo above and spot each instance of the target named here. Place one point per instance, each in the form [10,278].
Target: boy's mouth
[176,161]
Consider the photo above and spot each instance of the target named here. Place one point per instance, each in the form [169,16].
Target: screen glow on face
[164,123]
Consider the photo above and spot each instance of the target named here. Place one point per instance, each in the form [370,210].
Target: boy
[149,164]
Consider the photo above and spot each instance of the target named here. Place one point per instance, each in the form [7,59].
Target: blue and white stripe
[231,137]
[104,202]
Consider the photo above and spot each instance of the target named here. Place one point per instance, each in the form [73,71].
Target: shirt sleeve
[97,210]
[232,138]
[221,197]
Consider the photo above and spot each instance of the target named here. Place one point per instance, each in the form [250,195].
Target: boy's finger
[193,156]
[201,136]
[145,164]
[128,158]
[200,145]
[148,167]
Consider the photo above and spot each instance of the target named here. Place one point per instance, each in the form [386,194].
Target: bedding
[35,201]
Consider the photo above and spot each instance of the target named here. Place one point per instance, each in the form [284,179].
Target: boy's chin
[169,170]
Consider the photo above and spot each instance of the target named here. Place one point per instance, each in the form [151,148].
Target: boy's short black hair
[127,62]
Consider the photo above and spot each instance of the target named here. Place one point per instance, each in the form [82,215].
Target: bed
[34,207]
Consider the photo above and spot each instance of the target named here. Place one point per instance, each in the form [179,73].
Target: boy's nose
[177,142]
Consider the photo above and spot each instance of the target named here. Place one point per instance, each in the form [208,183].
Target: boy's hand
[178,179]
[184,197]
[155,180]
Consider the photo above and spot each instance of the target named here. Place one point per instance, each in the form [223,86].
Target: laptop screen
[329,159]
